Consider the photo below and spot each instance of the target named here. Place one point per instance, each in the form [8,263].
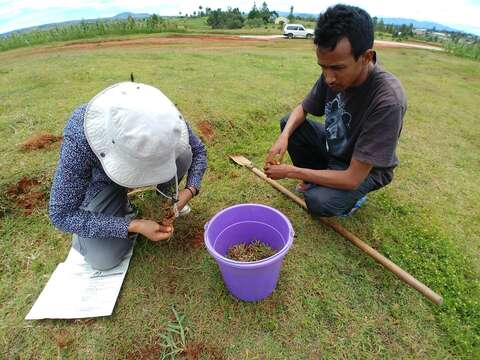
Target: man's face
[339,67]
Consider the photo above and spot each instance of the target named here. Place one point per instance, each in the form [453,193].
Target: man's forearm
[297,117]
[338,179]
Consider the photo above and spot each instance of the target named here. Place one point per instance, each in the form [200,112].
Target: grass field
[332,301]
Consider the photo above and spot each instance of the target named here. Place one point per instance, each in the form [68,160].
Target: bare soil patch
[191,240]
[197,241]
[198,350]
[206,130]
[63,339]
[40,141]
[27,194]
[148,41]
[152,351]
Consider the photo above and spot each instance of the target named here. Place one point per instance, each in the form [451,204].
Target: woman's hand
[184,196]
[151,229]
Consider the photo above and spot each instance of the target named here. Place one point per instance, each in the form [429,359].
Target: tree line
[235,19]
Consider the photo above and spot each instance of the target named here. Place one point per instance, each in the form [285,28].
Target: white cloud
[15,14]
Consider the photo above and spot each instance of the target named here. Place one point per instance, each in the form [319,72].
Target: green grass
[471,51]
[332,301]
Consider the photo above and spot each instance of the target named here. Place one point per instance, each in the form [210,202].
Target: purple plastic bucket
[249,281]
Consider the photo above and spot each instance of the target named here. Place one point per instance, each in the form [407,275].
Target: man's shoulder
[388,88]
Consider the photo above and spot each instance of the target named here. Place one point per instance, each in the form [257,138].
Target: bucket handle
[206,225]
[292,233]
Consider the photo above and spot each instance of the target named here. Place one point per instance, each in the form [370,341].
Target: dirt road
[379,44]
[395,44]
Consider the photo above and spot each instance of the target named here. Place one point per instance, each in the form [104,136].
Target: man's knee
[283,121]
[328,202]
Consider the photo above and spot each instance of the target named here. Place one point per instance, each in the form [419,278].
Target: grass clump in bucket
[254,251]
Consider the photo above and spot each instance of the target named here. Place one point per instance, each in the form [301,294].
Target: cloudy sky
[460,14]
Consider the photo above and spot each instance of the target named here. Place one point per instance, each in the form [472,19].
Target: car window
[301,28]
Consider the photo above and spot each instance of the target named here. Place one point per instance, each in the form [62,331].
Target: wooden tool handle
[389,265]
[279,187]
[398,271]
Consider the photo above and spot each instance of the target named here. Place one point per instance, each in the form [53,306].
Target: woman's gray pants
[106,253]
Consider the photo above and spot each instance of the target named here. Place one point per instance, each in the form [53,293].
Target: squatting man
[353,153]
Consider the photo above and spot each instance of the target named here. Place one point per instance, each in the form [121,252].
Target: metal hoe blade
[241,160]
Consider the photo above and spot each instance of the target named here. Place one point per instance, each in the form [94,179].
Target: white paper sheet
[75,290]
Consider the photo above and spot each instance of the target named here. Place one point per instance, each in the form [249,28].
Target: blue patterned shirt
[80,176]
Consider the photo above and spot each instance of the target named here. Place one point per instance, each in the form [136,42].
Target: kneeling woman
[129,135]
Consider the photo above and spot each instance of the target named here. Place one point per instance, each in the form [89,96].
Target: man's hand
[277,172]
[278,149]
[151,230]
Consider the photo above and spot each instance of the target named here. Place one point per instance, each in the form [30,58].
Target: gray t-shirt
[363,122]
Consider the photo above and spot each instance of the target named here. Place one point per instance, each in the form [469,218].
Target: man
[129,135]
[354,152]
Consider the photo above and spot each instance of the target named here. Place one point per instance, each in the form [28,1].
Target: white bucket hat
[137,133]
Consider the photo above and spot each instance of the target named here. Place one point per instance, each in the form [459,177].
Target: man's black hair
[341,21]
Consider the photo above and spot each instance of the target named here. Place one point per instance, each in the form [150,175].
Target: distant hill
[121,16]
[391,21]
[417,24]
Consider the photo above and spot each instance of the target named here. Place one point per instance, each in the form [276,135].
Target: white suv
[297,30]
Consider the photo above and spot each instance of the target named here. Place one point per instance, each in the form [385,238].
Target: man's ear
[368,56]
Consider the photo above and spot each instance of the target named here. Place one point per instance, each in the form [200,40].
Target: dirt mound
[27,194]
[206,131]
[40,141]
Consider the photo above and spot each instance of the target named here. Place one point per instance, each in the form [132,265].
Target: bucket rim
[250,264]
